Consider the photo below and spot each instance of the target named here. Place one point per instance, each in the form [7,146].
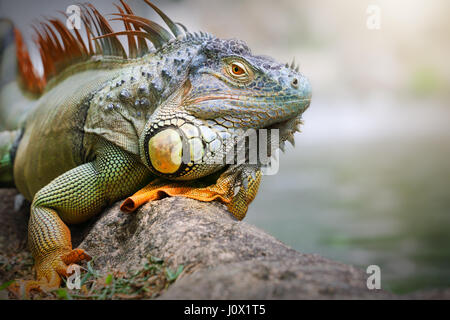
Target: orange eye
[237,70]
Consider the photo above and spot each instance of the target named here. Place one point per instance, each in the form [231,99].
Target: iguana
[102,121]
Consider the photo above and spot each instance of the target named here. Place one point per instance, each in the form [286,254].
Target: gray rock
[223,258]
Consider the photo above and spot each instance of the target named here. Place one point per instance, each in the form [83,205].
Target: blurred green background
[369,179]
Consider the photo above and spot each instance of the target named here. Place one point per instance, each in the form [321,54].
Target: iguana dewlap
[101,123]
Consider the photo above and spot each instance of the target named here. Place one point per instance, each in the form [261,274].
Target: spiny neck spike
[292,66]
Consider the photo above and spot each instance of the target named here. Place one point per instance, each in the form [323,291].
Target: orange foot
[49,270]
[236,187]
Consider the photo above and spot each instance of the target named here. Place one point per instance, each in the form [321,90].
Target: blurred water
[375,199]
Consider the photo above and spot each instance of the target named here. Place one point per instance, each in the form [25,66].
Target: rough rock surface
[222,257]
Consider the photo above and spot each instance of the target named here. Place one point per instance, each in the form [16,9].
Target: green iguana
[102,121]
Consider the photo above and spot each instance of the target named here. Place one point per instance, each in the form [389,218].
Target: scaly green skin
[85,143]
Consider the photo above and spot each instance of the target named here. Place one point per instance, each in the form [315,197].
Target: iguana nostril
[294,83]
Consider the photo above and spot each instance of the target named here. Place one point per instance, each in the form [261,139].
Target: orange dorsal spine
[60,47]
[28,76]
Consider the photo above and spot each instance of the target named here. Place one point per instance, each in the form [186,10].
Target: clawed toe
[49,273]
[75,256]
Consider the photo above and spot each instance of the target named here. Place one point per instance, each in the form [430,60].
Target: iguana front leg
[236,187]
[244,181]
[73,197]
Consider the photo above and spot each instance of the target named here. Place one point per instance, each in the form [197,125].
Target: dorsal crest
[60,47]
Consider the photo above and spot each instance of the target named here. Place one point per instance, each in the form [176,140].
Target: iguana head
[224,90]
[235,89]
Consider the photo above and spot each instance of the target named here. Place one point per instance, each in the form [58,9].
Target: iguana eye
[236,69]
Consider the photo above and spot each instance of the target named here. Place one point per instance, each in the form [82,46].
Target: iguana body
[103,125]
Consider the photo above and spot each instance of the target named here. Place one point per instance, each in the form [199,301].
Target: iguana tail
[14,101]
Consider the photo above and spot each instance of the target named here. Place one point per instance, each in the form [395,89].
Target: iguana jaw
[288,126]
